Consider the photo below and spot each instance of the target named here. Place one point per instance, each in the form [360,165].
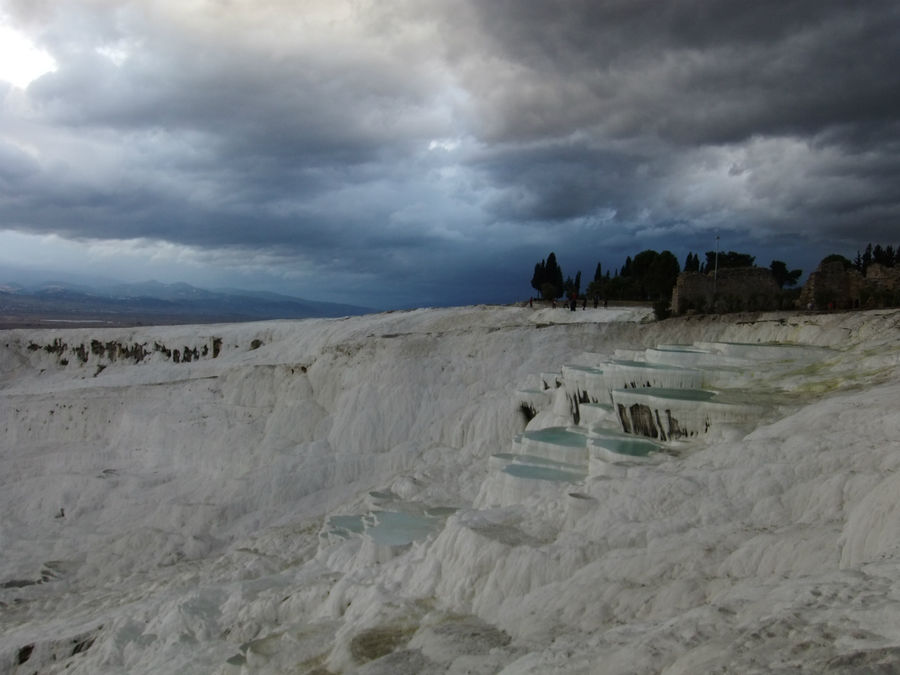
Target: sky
[395,153]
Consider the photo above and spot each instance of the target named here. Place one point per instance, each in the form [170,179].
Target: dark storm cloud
[226,143]
[711,71]
[643,87]
[396,139]
[284,109]
[559,181]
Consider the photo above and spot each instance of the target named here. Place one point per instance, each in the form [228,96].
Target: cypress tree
[539,277]
[547,278]
[554,274]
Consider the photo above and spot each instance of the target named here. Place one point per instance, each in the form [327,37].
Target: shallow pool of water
[586,369]
[673,394]
[557,436]
[691,349]
[648,365]
[534,460]
[397,528]
[633,447]
[543,473]
[344,526]
[390,528]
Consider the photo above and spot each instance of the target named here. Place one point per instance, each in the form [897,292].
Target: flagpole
[716,270]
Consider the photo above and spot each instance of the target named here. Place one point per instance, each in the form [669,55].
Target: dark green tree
[836,257]
[555,274]
[642,263]
[729,259]
[640,273]
[692,263]
[539,277]
[863,261]
[783,277]
[883,255]
[662,275]
[649,275]
[548,278]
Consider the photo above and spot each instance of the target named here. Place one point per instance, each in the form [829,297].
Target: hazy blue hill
[154,302]
[322,308]
[157,289]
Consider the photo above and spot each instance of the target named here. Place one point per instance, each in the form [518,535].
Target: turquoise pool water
[586,369]
[396,528]
[391,528]
[691,349]
[344,526]
[534,460]
[673,394]
[633,447]
[543,473]
[646,364]
[558,436]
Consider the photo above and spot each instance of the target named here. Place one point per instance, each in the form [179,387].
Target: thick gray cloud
[686,72]
[429,152]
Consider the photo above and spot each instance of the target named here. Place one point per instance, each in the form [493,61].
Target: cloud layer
[402,152]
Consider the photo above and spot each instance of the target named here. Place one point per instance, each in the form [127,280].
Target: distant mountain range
[151,302]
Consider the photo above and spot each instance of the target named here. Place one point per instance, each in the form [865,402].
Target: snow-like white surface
[334,496]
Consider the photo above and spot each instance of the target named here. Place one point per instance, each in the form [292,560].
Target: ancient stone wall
[732,290]
[693,291]
[832,286]
[835,286]
[881,277]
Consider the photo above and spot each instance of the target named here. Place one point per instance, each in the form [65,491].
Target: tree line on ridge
[651,275]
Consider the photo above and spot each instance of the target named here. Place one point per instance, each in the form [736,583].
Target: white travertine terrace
[349,496]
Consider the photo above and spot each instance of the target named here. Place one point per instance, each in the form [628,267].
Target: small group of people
[573,303]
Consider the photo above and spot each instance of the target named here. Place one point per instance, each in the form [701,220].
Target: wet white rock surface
[181,517]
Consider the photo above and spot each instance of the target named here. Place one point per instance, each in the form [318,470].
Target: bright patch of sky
[448,144]
[129,260]
[116,53]
[21,61]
